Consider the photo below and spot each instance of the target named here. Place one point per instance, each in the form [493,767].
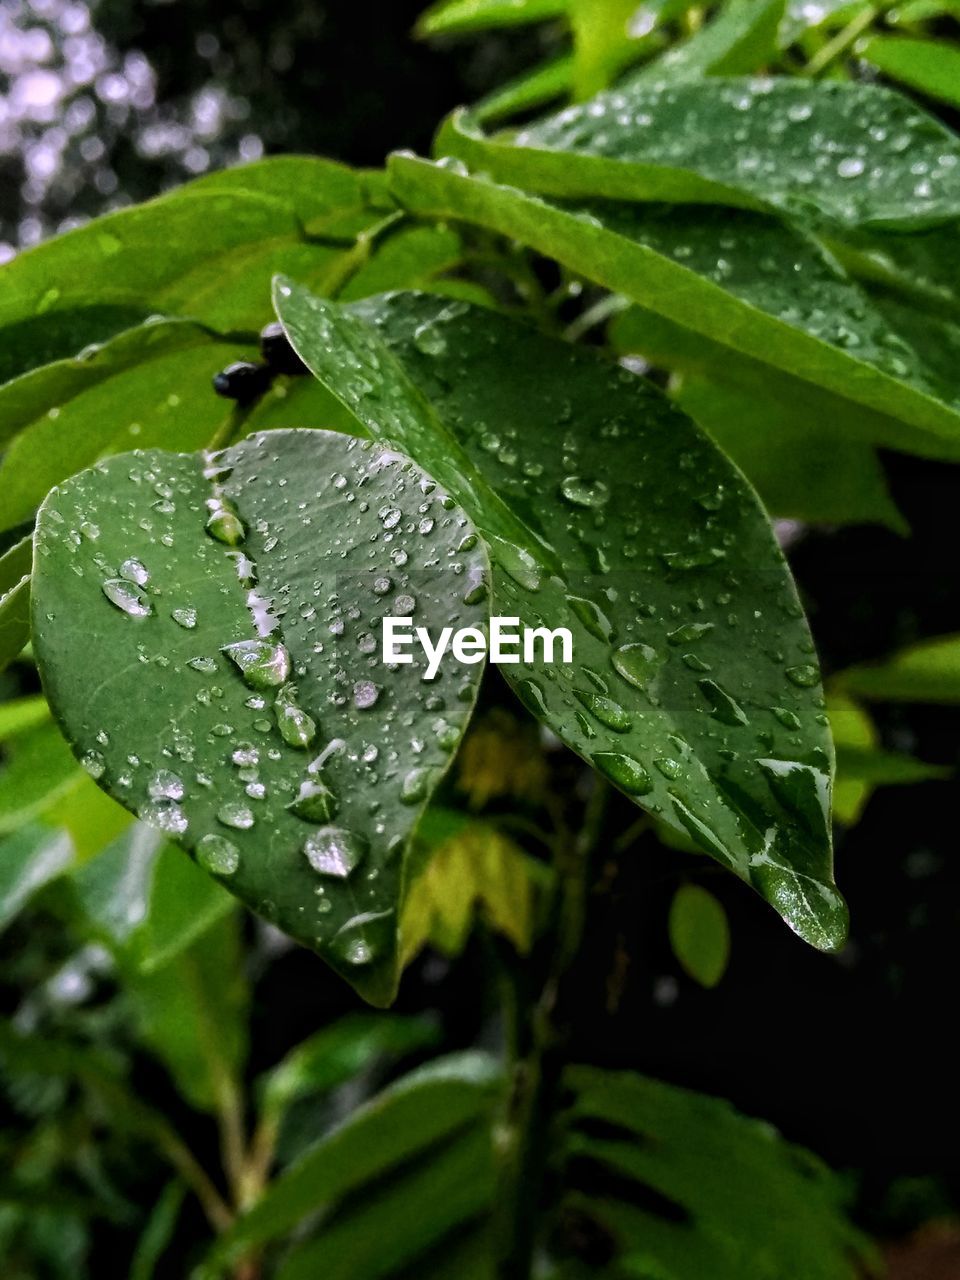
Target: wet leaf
[230,692]
[693,686]
[740,39]
[741,280]
[699,934]
[833,151]
[147,386]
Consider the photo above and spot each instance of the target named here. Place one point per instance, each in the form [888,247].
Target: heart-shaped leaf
[208,633]
[693,685]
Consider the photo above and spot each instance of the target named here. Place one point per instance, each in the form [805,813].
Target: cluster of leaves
[204,612]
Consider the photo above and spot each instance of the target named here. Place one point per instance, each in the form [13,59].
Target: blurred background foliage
[126,1025]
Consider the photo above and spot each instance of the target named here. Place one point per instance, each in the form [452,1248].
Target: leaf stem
[841,42]
[539,1036]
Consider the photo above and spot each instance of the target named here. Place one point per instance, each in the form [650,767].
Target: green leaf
[607,38]
[924,672]
[266,735]
[412,1118]
[334,1055]
[475,869]
[147,386]
[39,770]
[931,66]
[22,713]
[781,447]
[192,1013]
[699,934]
[455,17]
[840,152]
[533,89]
[715,1191]
[223,236]
[398,1222]
[157,1232]
[770,294]
[146,899]
[15,567]
[741,38]
[638,536]
[29,859]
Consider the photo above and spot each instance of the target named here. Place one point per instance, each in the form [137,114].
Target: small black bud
[243,382]
[277,351]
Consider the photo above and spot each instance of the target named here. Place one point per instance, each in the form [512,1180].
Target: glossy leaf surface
[243,675]
[608,512]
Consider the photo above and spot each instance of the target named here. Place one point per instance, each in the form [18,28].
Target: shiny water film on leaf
[215,650]
[694,686]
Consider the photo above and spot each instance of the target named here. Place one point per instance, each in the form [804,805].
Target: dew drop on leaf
[238,816]
[624,770]
[263,665]
[127,597]
[331,851]
[217,854]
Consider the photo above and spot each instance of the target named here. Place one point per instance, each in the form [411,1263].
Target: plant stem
[841,42]
[539,1036]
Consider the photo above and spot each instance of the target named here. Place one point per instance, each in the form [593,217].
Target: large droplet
[605,710]
[516,562]
[127,597]
[592,617]
[238,816]
[314,802]
[689,632]
[165,785]
[135,571]
[217,854]
[805,675]
[637,663]
[584,493]
[223,522]
[365,694]
[413,788]
[263,665]
[332,851]
[624,770]
[297,728]
[722,706]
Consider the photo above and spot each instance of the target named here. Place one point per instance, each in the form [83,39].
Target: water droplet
[428,338]
[584,493]
[206,665]
[314,802]
[592,617]
[165,785]
[805,675]
[689,632]
[637,663]
[186,618]
[331,851]
[516,562]
[722,707]
[624,770]
[135,571]
[262,664]
[94,764]
[297,728]
[217,854]
[165,815]
[669,767]
[789,719]
[238,816]
[605,710]
[127,597]
[223,522]
[365,694]
[413,788]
